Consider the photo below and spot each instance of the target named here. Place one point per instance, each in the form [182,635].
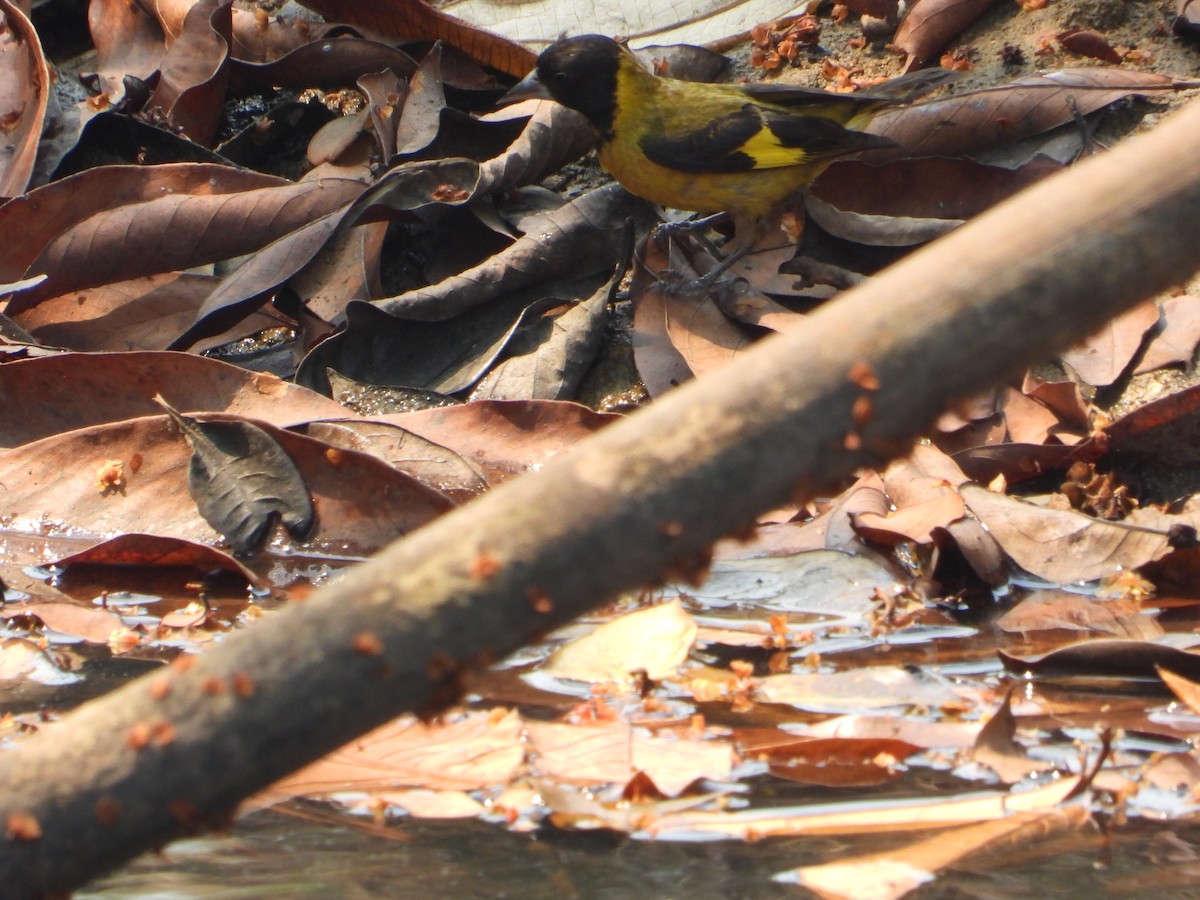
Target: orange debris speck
[671,529]
[366,644]
[22,826]
[243,685]
[448,193]
[162,733]
[864,376]
[138,737]
[107,811]
[110,476]
[485,567]
[862,411]
[539,600]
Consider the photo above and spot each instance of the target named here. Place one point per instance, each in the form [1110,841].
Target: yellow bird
[736,148]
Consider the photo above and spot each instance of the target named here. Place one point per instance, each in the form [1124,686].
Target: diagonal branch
[176,750]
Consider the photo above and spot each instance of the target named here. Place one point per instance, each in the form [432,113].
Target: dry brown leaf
[929,25]
[92,624]
[922,489]
[128,41]
[896,873]
[1102,357]
[704,337]
[877,687]
[194,72]
[140,314]
[53,394]
[177,229]
[614,753]
[465,752]
[416,20]
[652,641]
[853,818]
[976,120]
[1056,609]
[31,222]
[1184,688]
[1176,343]
[1064,546]
[362,503]
[24,94]
[149,550]
[913,731]
[1028,421]
[505,437]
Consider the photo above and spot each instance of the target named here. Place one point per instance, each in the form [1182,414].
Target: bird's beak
[529,88]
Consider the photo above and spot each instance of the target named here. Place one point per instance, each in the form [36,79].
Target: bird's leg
[747,232]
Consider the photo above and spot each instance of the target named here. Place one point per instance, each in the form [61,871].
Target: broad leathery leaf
[583,237]
[1111,660]
[417,20]
[47,396]
[363,503]
[244,289]
[128,41]
[553,137]
[549,358]
[929,25]
[655,641]
[195,71]
[24,94]
[977,120]
[444,357]
[428,462]
[176,231]
[896,873]
[1064,546]
[506,437]
[146,313]
[31,222]
[92,624]
[242,479]
[328,62]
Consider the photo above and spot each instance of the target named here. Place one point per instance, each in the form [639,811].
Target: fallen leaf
[852,818]
[614,753]
[928,25]
[655,641]
[462,752]
[896,873]
[1064,546]
[877,687]
[24,94]
[1107,659]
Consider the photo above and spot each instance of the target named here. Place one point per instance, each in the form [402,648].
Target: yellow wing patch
[769,153]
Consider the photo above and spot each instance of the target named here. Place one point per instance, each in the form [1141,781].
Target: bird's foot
[694,263]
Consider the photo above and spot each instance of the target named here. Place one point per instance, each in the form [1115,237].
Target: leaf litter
[943,644]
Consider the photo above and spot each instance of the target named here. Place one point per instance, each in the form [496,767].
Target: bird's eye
[560,76]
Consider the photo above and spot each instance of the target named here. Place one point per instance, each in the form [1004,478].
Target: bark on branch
[176,751]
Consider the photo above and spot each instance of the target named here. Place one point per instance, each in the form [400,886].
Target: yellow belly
[753,193]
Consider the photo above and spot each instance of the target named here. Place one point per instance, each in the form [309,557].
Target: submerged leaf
[655,641]
[242,479]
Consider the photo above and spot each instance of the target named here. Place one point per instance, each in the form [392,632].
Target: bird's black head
[581,72]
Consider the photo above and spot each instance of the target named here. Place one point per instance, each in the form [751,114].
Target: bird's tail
[908,87]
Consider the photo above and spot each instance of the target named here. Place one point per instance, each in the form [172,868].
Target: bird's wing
[754,138]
